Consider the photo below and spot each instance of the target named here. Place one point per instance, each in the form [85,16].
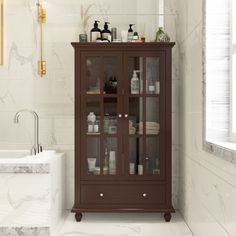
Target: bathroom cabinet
[123,128]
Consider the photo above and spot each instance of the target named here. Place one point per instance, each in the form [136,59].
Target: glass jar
[112,125]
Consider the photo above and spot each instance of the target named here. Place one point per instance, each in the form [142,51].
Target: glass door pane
[93,116]
[135,73]
[100,87]
[135,115]
[93,72]
[135,156]
[92,124]
[152,75]
[152,125]
[110,65]
[93,155]
[110,116]
[143,116]
[110,156]
[152,156]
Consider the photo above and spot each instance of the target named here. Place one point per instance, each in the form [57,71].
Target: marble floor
[130,224]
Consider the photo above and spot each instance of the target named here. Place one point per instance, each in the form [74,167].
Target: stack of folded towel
[132,129]
[151,127]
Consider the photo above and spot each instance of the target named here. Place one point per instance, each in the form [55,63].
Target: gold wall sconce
[41,21]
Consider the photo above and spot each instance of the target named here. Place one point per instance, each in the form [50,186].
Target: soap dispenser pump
[130,33]
[95,33]
[106,33]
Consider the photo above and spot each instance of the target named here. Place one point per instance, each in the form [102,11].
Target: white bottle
[135,83]
[112,163]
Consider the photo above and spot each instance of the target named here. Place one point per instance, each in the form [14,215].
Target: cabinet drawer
[120,194]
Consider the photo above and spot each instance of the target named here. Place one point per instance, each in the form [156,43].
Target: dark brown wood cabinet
[123,128]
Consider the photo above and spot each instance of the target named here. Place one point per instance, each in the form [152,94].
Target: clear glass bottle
[151,87]
[159,34]
[106,160]
[96,127]
[90,126]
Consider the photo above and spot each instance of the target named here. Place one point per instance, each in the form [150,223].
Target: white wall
[52,96]
[207,183]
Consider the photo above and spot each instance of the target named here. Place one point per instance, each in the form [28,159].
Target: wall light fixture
[41,21]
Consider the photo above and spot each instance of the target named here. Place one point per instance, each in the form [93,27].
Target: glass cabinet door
[100,87]
[144,116]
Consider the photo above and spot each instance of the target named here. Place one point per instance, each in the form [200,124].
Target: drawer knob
[120,116]
[126,115]
[101,194]
[144,195]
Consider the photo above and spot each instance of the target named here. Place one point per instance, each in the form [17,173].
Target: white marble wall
[52,96]
[207,183]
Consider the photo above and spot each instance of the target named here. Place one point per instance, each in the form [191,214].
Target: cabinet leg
[167,217]
[78,216]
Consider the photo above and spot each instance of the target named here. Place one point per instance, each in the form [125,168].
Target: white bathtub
[20,161]
[15,154]
[32,190]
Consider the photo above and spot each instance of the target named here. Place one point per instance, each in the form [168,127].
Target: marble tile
[23,231]
[122,224]
[24,168]
[21,198]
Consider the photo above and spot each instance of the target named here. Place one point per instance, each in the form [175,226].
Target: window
[233,74]
[220,75]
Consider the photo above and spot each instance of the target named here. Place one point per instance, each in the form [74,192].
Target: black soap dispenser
[106,33]
[95,33]
[130,33]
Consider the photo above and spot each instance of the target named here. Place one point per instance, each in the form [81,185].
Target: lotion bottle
[95,33]
[135,85]
[106,33]
[130,33]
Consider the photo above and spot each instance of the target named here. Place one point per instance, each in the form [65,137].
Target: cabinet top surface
[150,45]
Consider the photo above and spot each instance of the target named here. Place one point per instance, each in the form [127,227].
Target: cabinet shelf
[143,95]
[105,135]
[142,135]
[93,134]
[98,95]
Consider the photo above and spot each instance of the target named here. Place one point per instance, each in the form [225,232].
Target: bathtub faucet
[36,148]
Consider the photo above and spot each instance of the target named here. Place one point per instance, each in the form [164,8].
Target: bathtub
[20,161]
[32,193]
[13,154]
